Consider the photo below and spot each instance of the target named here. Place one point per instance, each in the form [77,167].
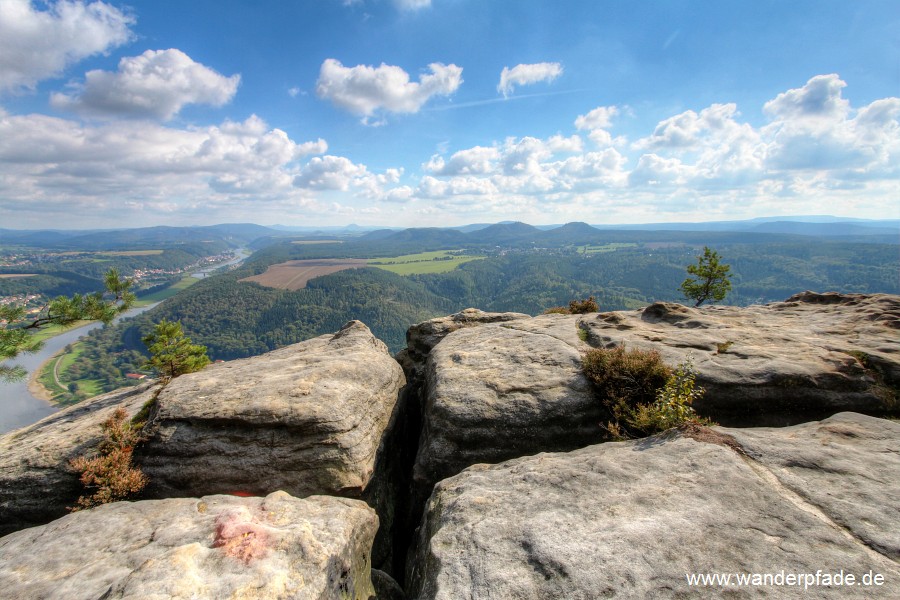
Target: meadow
[439,261]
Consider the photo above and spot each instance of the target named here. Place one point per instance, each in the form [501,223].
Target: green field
[439,261]
[185,282]
[604,248]
[313,242]
[61,362]
[131,253]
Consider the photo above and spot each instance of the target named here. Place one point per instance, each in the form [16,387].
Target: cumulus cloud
[412,4]
[364,90]
[814,128]
[47,162]
[38,44]
[156,84]
[329,173]
[527,75]
[819,98]
[477,160]
[597,123]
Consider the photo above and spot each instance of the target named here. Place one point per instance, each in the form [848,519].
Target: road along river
[18,406]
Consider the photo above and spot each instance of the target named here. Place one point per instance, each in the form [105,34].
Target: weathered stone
[37,483]
[422,337]
[215,547]
[308,419]
[505,390]
[633,519]
[848,466]
[812,355]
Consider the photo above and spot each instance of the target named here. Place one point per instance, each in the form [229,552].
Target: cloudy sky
[446,112]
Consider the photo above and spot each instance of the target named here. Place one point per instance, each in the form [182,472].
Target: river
[18,407]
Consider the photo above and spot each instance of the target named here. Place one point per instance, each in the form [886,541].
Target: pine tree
[711,281]
[172,353]
[15,328]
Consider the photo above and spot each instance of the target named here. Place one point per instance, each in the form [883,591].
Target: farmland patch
[294,274]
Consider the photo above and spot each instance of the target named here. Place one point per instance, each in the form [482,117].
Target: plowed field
[294,274]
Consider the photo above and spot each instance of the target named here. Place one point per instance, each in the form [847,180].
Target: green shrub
[673,404]
[642,394]
[557,310]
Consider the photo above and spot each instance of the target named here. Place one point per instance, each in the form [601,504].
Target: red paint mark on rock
[240,538]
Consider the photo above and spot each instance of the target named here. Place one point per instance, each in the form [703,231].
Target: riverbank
[36,388]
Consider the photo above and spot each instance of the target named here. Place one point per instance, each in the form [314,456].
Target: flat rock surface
[36,482]
[633,519]
[503,390]
[800,356]
[215,547]
[422,337]
[308,419]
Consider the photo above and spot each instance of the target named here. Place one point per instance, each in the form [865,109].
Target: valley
[297,286]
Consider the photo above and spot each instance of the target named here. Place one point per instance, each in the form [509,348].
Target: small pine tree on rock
[172,353]
[711,280]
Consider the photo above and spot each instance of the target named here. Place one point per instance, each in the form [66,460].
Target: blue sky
[446,112]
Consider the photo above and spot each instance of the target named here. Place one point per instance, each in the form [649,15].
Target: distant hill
[232,234]
[504,232]
[823,226]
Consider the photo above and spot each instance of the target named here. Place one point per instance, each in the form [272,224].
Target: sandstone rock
[505,390]
[308,419]
[631,519]
[216,547]
[802,356]
[422,337]
[36,482]
[847,465]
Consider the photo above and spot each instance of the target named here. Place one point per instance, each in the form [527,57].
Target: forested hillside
[236,318]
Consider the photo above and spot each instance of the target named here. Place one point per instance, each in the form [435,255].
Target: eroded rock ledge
[214,547]
[631,519]
[332,416]
[307,419]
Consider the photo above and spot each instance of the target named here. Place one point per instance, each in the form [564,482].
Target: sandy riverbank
[36,388]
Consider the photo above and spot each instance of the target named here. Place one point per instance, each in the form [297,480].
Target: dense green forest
[235,319]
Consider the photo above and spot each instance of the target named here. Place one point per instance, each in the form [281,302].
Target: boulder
[37,483]
[634,519]
[504,390]
[307,419]
[214,547]
[422,337]
[807,357]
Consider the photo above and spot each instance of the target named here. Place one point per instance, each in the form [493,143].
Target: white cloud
[477,160]
[558,143]
[599,118]
[819,98]
[92,171]
[156,84]
[38,44]
[412,4]
[527,75]
[814,128]
[597,123]
[364,90]
[329,173]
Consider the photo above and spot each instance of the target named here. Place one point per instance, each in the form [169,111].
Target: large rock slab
[503,390]
[633,519]
[422,337]
[37,484]
[307,419]
[215,547]
[812,355]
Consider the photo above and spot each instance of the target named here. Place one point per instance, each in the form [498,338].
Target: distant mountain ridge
[507,232]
